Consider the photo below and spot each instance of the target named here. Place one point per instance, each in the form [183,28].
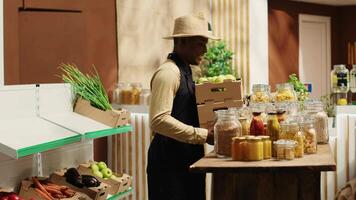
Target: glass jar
[310,141]
[145,97]
[226,128]
[285,93]
[290,131]
[285,149]
[267,146]
[315,110]
[255,149]
[135,93]
[353,79]
[340,79]
[123,93]
[245,125]
[257,125]
[273,126]
[239,149]
[260,93]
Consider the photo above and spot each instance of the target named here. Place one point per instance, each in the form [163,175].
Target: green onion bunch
[87,86]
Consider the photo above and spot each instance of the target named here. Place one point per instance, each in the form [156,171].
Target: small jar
[310,142]
[260,93]
[245,125]
[285,93]
[226,128]
[257,125]
[125,94]
[315,109]
[255,149]
[135,93]
[267,146]
[285,149]
[239,150]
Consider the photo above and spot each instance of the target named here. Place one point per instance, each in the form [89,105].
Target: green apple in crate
[102,165]
[107,173]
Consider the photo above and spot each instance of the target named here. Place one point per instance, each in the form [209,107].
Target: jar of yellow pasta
[260,93]
[285,93]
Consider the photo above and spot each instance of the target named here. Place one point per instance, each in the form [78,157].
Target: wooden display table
[267,179]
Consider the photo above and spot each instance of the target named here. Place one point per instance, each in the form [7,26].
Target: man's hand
[210,138]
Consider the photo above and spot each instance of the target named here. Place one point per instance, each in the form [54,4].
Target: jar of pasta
[315,109]
[255,149]
[285,149]
[260,93]
[290,131]
[285,93]
[310,142]
[226,128]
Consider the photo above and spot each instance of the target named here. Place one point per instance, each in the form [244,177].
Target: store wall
[347,30]
[284,36]
[141,25]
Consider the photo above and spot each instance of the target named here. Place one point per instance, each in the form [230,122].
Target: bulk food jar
[340,79]
[315,110]
[353,82]
[254,149]
[260,93]
[290,131]
[226,127]
[285,93]
[310,141]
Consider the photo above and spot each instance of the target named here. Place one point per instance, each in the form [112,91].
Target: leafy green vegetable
[86,86]
[299,87]
[217,59]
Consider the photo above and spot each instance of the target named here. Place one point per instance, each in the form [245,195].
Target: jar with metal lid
[255,149]
[267,146]
[123,93]
[310,141]
[315,110]
[340,79]
[226,128]
[281,111]
[290,131]
[273,126]
[285,93]
[257,125]
[285,149]
[239,148]
[260,93]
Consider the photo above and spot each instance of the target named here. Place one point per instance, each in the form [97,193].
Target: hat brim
[191,35]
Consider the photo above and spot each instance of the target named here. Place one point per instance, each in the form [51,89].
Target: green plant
[299,87]
[86,86]
[217,59]
[329,106]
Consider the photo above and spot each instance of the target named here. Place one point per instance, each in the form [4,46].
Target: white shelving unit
[39,132]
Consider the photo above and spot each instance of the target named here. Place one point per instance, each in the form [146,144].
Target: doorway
[315,53]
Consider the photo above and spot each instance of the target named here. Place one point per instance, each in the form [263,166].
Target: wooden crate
[95,193]
[121,183]
[218,92]
[216,96]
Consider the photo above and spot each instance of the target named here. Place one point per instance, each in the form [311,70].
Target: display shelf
[120,195]
[27,136]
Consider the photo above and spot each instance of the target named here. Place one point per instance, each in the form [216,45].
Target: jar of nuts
[226,128]
[310,142]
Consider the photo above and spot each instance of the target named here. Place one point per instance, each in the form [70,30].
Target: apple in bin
[102,165]
[107,173]
[94,167]
[97,173]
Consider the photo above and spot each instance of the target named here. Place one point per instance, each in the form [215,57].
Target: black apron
[169,159]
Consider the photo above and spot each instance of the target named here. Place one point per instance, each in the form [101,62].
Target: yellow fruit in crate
[202,80]
[219,79]
[230,77]
[342,102]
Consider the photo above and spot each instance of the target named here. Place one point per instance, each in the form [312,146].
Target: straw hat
[190,25]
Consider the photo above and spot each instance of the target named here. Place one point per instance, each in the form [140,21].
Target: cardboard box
[218,92]
[112,118]
[121,183]
[95,193]
[206,111]
[28,192]
[216,96]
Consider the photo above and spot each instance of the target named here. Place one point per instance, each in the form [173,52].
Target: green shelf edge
[108,132]
[121,194]
[47,146]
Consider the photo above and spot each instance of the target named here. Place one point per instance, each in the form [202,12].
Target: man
[178,142]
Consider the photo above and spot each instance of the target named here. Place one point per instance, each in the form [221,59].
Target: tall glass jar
[260,93]
[285,93]
[340,79]
[310,142]
[353,79]
[315,110]
[257,125]
[226,128]
[245,125]
[290,131]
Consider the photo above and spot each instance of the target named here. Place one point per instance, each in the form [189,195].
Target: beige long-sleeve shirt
[164,85]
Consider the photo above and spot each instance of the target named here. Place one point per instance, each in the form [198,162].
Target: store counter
[267,179]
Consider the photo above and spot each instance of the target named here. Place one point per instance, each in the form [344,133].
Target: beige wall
[141,26]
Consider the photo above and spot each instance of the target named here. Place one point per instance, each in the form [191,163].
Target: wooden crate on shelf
[95,193]
[216,96]
[120,183]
